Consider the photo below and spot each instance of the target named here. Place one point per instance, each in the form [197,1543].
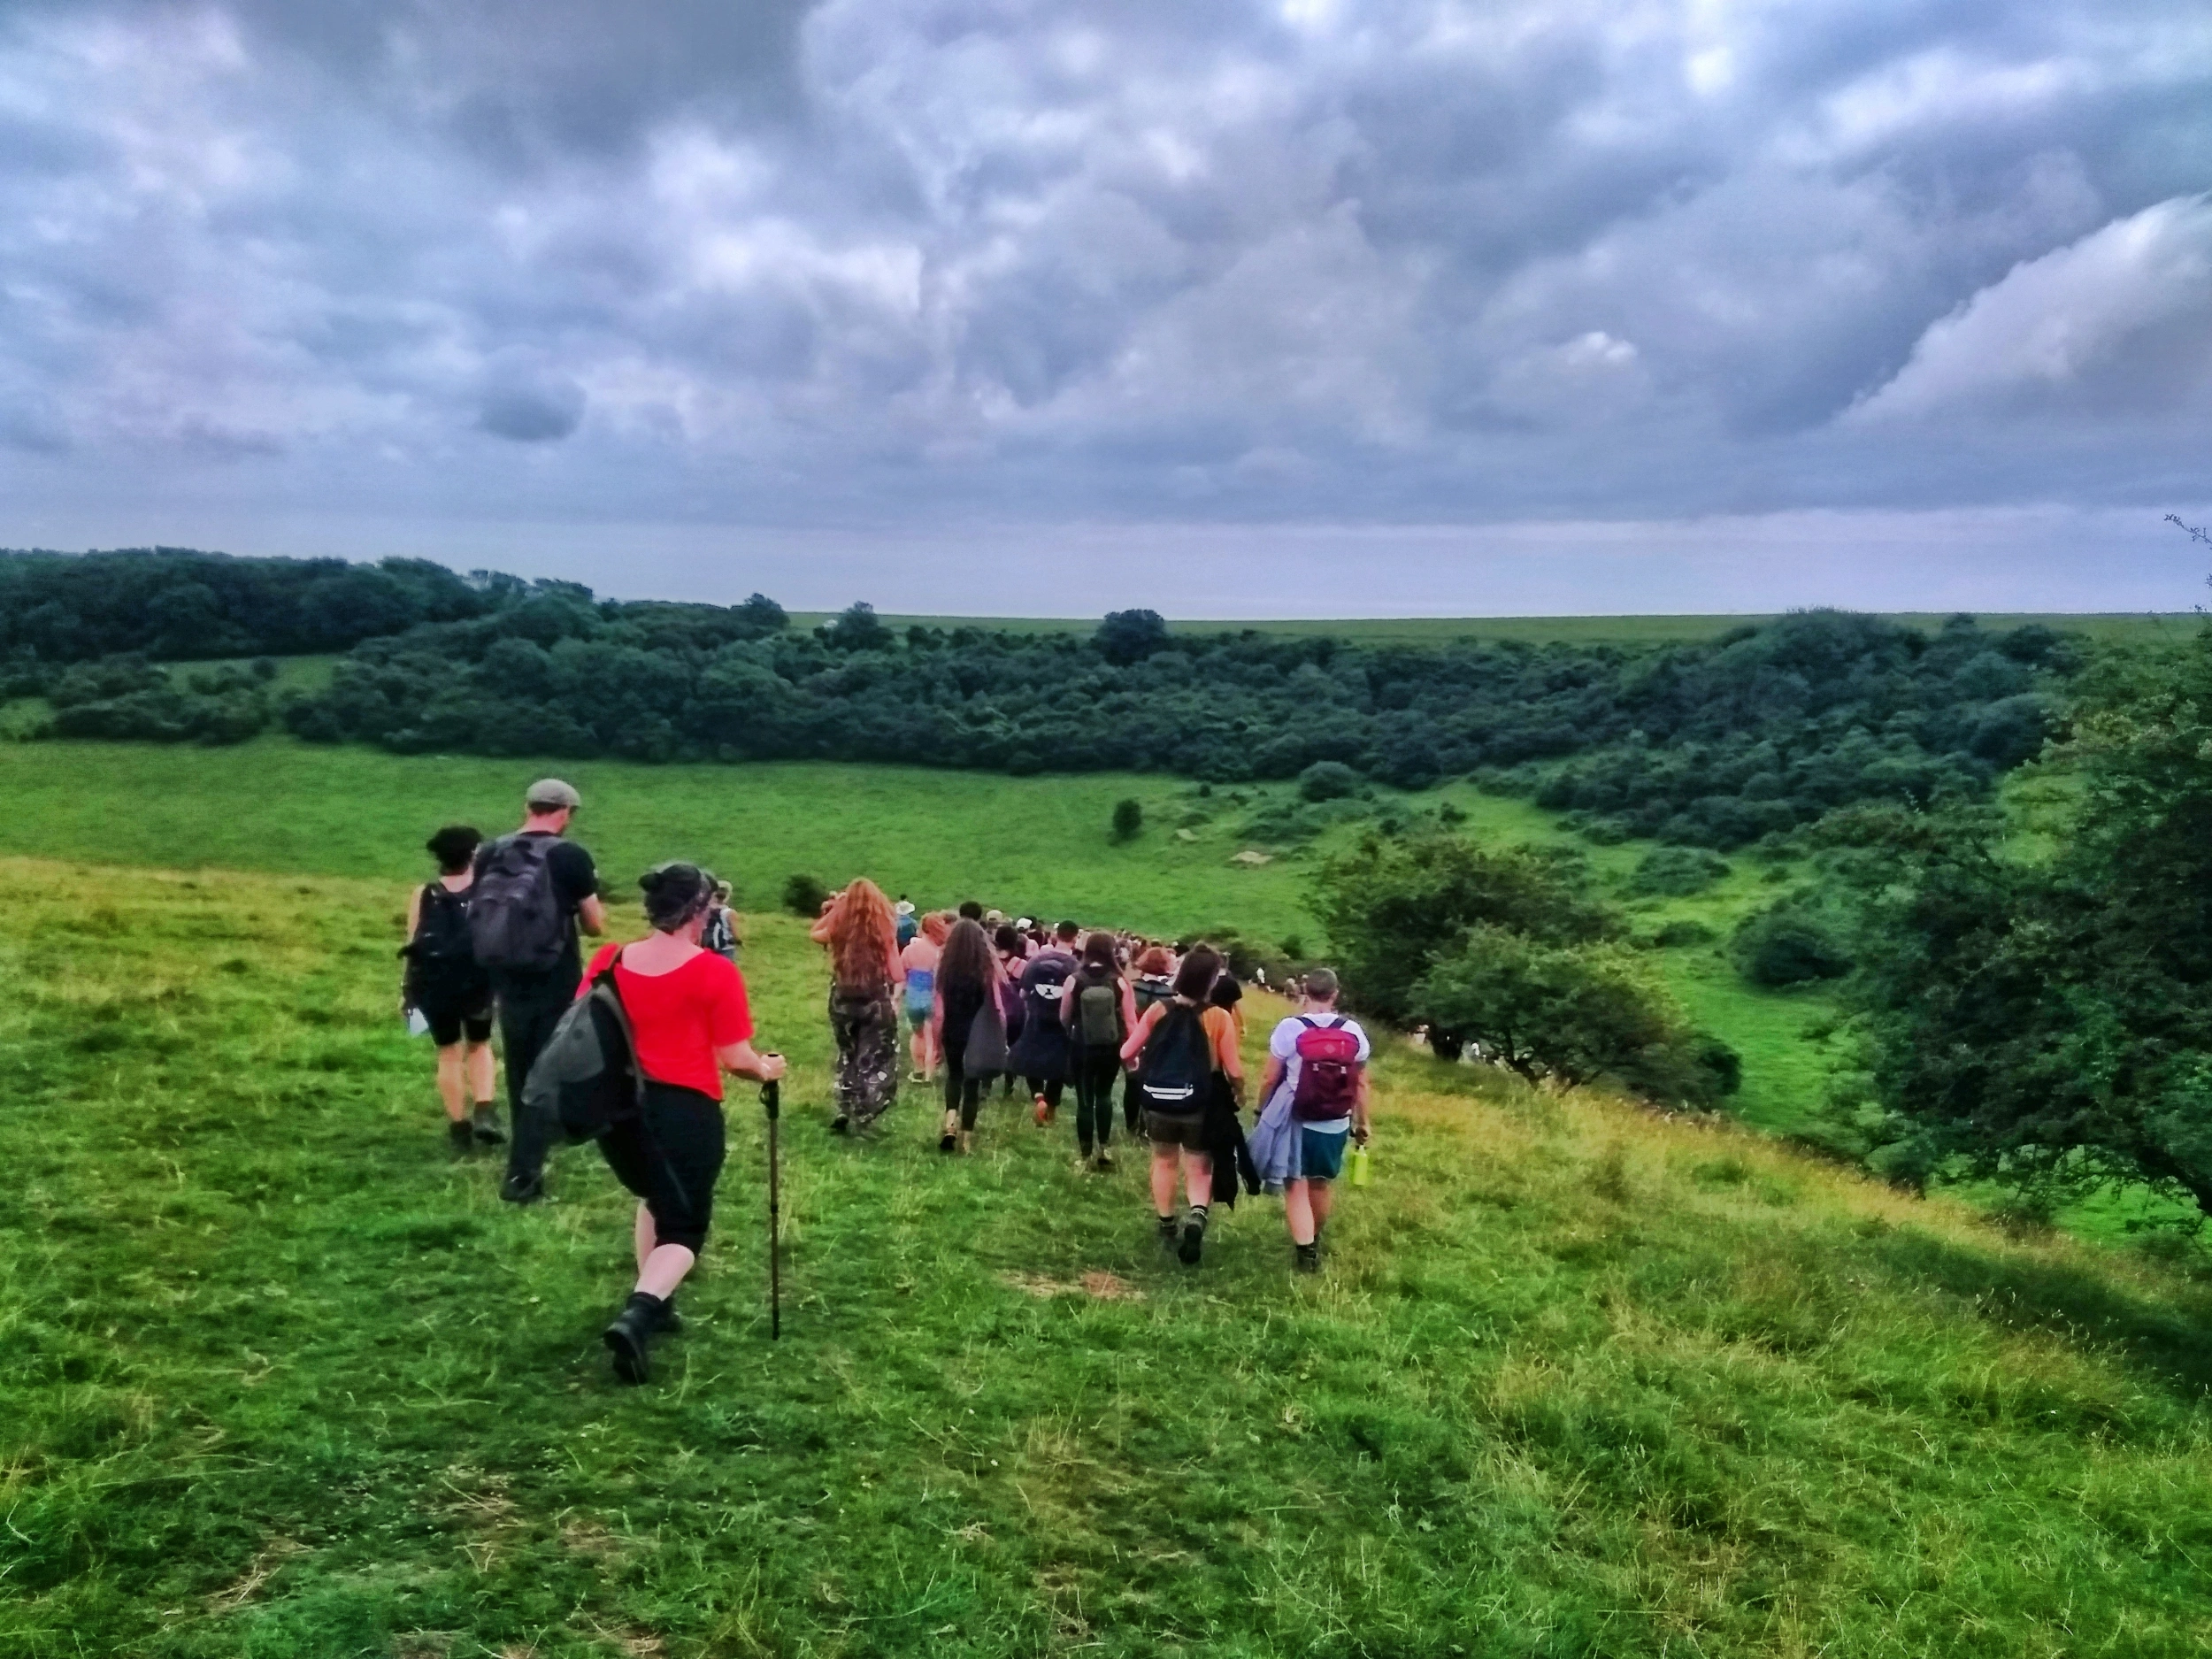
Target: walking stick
[771,1102]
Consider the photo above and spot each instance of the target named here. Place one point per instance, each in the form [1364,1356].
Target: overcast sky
[977,306]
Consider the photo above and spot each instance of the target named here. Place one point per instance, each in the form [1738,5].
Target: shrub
[1328,781]
[1677,871]
[1788,946]
[1128,819]
[1573,1013]
[803,896]
[1676,935]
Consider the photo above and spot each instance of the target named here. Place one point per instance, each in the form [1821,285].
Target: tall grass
[281,1377]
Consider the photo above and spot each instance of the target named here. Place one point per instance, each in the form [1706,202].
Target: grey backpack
[586,1079]
[515,919]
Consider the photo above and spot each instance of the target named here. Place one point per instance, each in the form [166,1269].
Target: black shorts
[456,1008]
[672,1157]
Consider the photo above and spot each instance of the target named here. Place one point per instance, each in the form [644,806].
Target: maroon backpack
[1328,1071]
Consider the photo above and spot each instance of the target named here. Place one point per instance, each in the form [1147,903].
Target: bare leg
[645,1236]
[449,1091]
[1198,1179]
[480,1075]
[1317,1194]
[1298,1208]
[663,1269]
[1163,1180]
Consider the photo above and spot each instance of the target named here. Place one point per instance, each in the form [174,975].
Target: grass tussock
[281,1377]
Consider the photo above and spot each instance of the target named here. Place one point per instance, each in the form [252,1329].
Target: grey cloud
[913,259]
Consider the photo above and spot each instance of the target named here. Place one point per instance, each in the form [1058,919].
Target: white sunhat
[905,907]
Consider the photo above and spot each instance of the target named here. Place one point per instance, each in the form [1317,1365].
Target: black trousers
[671,1158]
[530,1005]
[1094,1074]
[964,1094]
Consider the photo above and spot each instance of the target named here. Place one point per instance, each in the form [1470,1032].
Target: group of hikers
[980,999]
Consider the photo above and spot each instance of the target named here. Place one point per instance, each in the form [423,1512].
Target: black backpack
[515,920]
[1178,1063]
[441,929]
[586,1079]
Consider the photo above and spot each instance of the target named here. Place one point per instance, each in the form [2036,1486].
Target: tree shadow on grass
[2169,1339]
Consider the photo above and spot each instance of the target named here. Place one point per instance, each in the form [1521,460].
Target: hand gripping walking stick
[771,1102]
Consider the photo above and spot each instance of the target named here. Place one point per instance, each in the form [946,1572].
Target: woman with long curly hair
[865,978]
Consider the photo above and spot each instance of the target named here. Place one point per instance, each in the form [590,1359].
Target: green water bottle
[1357,1167]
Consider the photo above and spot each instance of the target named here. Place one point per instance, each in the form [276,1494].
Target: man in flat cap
[533,890]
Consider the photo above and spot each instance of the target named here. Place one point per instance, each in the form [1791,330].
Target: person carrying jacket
[1184,1051]
[1151,980]
[1313,1101]
[1100,1012]
[690,1023]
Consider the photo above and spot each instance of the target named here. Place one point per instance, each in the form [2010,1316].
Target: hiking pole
[771,1103]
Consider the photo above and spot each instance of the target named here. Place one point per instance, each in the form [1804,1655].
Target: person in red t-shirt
[688,1013]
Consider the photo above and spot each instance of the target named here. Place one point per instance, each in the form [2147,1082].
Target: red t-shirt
[681,1018]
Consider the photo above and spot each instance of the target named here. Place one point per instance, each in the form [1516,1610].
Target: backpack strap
[1309,1022]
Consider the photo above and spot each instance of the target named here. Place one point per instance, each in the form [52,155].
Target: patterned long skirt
[866,1078]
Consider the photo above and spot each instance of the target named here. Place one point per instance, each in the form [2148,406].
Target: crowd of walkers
[954,1002]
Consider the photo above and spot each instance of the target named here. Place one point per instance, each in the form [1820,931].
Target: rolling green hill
[282,1378]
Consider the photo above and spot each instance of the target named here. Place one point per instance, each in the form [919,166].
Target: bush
[1328,781]
[1128,819]
[1677,871]
[1786,945]
[1573,1013]
[1676,935]
[803,896]
[1391,907]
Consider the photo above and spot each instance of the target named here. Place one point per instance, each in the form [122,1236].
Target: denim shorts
[1321,1153]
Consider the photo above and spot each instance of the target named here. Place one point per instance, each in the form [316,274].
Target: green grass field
[282,1378]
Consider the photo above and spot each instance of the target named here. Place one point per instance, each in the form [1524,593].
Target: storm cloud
[878,271]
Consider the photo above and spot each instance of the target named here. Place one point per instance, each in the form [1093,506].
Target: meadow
[284,1379]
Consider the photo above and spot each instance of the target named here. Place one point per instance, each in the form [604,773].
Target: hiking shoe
[1104,1163]
[669,1321]
[458,1136]
[948,1141]
[1167,1232]
[1083,1163]
[840,1125]
[629,1336]
[1308,1258]
[523,1189]
[1193,1241]
[485,1126]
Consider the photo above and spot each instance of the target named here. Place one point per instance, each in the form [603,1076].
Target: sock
[1198,1216]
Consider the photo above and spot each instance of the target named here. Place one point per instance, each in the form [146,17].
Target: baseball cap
[551,794]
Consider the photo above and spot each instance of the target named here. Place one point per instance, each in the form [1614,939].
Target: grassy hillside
[282,1379]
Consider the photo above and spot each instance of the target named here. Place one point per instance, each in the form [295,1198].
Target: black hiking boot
[1167,1233]
[458,1136]
[484,1125]
[672,1323]
[840,1125]
[1193,1241]
[629,1336]
[523,1189]
[1308,1258]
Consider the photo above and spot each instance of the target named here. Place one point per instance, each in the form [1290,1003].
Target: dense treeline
[1713,744]
[60,608]
[2036,1009]
[1759,733]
